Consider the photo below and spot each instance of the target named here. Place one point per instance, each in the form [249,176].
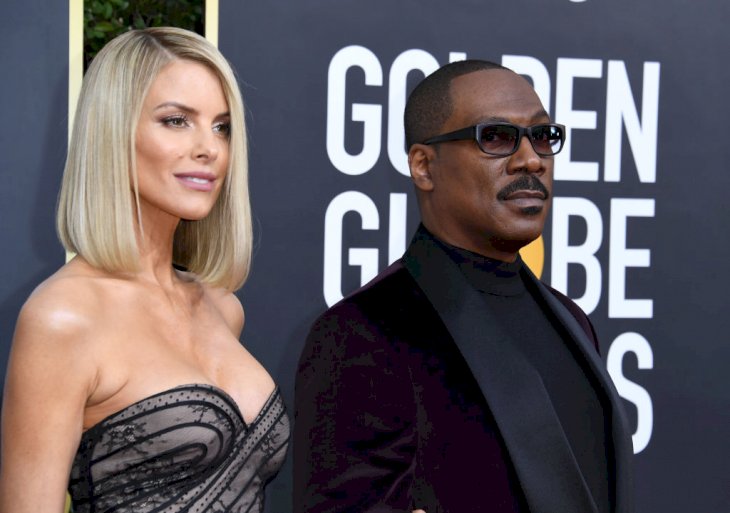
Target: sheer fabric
[187,449]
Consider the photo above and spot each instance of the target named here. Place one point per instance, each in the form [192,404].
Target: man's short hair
[99,197]
[430,104]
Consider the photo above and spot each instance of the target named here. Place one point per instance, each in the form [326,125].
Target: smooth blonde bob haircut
[99,194]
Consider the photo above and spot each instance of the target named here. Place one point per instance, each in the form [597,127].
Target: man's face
[487,204]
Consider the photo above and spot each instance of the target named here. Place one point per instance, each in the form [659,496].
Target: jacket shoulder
[385,293]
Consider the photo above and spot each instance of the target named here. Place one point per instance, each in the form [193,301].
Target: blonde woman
[126,383]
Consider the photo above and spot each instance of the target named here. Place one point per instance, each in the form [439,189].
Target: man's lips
[525,193]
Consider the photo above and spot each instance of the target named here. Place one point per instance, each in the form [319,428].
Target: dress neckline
[215,390]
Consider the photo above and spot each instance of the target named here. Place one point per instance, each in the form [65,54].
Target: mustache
[523,183]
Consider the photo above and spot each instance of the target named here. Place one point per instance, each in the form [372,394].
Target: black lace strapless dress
[187,449]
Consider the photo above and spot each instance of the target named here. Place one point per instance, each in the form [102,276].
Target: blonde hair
[96,209]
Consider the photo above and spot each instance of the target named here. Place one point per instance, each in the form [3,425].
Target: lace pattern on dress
[183,450]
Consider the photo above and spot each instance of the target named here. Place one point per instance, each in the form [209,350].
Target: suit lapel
[543,461]
[623,450]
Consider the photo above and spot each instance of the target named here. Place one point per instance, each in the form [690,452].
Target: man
[455,381]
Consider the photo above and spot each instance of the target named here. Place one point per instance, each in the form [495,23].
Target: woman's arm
[49,377]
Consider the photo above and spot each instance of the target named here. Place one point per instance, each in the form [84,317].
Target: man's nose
[525,158]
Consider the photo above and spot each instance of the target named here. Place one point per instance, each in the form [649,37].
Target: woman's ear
[420,157]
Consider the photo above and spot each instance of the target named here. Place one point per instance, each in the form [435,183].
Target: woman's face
[181,143]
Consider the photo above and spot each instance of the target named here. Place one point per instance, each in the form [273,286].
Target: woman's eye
[223,128]
[175,121]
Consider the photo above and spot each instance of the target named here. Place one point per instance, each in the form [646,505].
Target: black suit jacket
[407,397]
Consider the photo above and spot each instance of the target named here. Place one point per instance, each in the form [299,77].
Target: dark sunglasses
[503,139]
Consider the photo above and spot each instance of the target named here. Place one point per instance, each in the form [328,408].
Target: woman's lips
[199,181]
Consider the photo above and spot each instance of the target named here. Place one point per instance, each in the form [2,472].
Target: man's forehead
[495,95]
[488,78]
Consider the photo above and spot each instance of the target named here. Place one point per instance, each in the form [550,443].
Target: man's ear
[420,157]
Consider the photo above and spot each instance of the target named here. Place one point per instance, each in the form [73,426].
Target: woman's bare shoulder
[53,341]
[228,305]
[66,305]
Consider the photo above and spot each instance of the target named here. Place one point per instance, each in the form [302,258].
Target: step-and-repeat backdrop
[638,234]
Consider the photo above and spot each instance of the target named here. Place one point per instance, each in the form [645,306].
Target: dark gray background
[282,50]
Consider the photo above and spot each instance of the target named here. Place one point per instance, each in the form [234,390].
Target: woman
[126,373]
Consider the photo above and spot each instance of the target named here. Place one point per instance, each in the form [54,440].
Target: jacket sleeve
[354,433]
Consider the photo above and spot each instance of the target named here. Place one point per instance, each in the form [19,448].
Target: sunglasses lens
[498,139]
[547,139]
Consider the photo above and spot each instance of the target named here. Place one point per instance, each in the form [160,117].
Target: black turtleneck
[535,330]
